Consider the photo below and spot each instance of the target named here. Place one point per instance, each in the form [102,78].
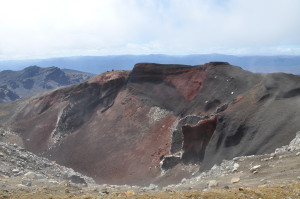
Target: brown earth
[288,191]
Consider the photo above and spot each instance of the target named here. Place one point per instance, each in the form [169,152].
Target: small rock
[212,184]
[27,183]
[221,108]
[241,189]
[255,168]
[235,167]
[77,179]
[40,176]
[1,154]
[15,170]
[266,159]
[30,175]
[235,180]
[104,191]
[297,153]
[53,182]
[152,187]
[273,155]
[236,159]
[254,172]
[226,187]
[298,177]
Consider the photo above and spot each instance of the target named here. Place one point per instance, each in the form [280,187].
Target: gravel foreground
[288,191]
[275,175]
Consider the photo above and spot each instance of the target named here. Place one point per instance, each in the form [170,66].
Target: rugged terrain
[275,175]
[32,80]
[157,124]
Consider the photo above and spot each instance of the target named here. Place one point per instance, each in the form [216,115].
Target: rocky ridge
[32,80]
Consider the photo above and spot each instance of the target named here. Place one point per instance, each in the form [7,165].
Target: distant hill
[34,79]
[99,64]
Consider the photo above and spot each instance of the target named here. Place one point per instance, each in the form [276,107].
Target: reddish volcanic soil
[120,127]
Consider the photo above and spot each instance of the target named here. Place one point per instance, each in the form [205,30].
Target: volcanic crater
[135,127]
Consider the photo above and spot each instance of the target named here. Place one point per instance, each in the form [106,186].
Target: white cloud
[47,28]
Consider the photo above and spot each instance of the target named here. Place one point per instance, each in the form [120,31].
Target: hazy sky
[55,28]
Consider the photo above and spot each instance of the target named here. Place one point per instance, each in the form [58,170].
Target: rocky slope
[274,175]
[157,123]
[33,79]
[19,164]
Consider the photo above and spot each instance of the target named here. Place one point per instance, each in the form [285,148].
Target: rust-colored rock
[196,138]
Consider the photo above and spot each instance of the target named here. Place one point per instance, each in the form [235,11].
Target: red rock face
[196,138]
[186,80]
[188,84]
[118,126]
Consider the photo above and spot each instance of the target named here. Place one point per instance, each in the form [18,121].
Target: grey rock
[16,170]
[27,183]
[235,167]
[19,162]
[255,168]
[236,159]
[221,108]
[151,187]
[40,176]
[77,179]
[30,175]
[169,162]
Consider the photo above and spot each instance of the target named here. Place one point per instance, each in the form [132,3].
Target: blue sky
[56,28]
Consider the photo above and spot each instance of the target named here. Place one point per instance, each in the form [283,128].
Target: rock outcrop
[133,127]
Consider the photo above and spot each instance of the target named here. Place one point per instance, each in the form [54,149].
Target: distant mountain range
[99,64]
[34,79]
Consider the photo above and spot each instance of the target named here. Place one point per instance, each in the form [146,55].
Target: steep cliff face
[135,126]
